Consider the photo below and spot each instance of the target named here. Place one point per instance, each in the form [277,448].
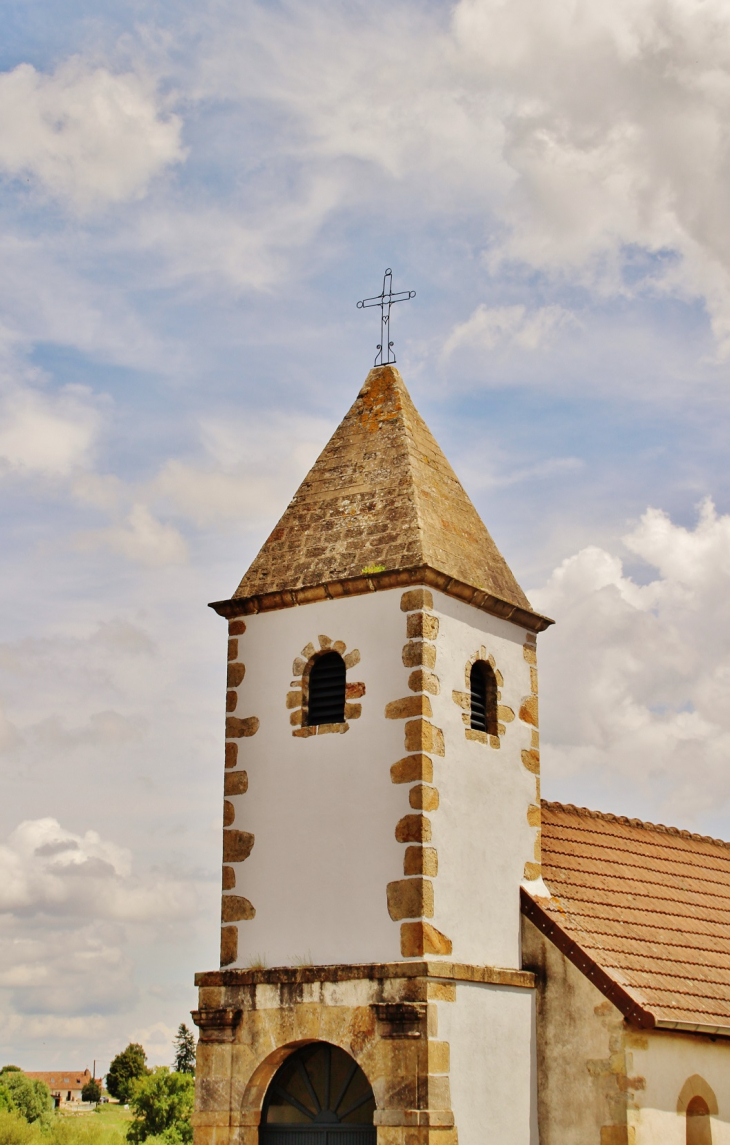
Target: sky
[193,198]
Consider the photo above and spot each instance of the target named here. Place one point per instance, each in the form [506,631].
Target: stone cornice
[346,972]
[377,582]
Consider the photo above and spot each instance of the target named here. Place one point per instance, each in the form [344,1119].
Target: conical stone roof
[380,500]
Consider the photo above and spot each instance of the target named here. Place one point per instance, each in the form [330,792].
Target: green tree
[184,1050]
[91,1091]
[163,1106]
[126,1068]
[31,1099]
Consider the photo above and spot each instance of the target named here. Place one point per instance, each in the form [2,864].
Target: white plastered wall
[480,829]
[666,1063]
[323,809]
[490,1031]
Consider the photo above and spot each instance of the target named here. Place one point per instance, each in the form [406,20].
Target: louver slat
[327,690]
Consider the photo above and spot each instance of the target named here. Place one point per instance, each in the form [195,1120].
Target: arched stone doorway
[319,1096]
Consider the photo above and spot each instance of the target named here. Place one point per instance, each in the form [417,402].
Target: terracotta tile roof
[380,496]
[61,1079]
[647,906]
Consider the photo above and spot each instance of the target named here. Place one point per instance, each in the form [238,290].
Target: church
[415,949]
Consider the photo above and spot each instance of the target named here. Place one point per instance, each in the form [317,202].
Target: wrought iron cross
[385,300]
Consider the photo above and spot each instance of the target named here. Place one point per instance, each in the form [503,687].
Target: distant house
[65,1085]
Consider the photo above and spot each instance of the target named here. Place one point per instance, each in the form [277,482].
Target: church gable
[643,911]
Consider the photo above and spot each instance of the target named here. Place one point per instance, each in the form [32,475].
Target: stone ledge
[346,972]
[376,582]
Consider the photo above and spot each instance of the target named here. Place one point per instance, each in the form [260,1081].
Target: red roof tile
[643,909]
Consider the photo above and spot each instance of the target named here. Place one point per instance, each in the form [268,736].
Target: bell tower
[381,811]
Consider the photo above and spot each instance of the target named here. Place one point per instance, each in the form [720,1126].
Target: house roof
[60,1078]
[643,910]
[380,500]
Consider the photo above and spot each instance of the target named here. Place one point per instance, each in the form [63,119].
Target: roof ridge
[625,821]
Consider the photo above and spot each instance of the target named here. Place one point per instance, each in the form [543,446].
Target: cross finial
[385,300]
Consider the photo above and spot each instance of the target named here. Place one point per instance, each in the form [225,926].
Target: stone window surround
[298,696]
[462,700]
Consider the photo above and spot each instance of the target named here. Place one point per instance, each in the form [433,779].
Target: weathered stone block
[618,1135]
[424,681]
[236,627]
[237,846]
[332,729]
[231,701]
[413,829]
[229,945]
[422,624]
[298,667]
[352,658]
[235,783]
[229,878]
[439,1057]
[478,737]
[229,813]
[339,646]
[294,699]
[412,769]
[423,736]
[530,653]
[532,871]
[531,760]
[232,649]
[408,706]
[353,711]
[325,642]
[235,675]
[528,710]
[423,798]
[416,598]
[462,700]
[419,654]
[308,652]
[421,861]
[354,691]
[410,898]
[533,815]
[235,908]
[505,714]
[231,754]
[238,728]
[296,717]
[419,938]
[533,680]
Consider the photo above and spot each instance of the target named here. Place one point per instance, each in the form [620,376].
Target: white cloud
[50,434]
[579,132]
[47,869]
[141,537]
[488,327]
[86,134]
[635,676]
[247,477]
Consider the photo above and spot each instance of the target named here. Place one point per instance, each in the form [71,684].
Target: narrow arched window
[483,685]
[327,683]
[699,1126]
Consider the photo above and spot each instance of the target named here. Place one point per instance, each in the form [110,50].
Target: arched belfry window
[319,1096]
[483,686]
[699,1126]
[326,691]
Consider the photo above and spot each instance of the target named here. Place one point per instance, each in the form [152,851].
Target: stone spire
[380,500]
